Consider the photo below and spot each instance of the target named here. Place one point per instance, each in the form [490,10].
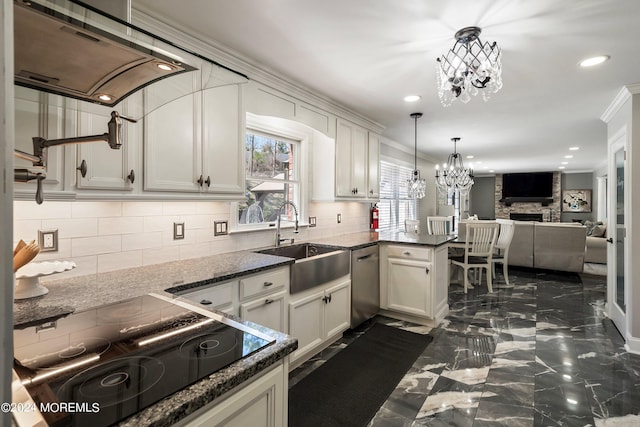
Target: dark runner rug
[349,388]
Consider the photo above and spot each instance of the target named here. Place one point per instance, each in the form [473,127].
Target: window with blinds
[395,205]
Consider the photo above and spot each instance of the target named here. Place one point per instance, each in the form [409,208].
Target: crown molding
[144,18]
[620,99]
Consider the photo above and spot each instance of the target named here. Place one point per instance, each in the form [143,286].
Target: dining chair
[478,250]
[439,225]
[501,248]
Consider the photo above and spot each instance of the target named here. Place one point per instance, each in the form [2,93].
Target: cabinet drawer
[213,296]
[263,283]
[410,252]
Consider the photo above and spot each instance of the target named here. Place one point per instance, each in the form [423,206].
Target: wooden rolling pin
[25,255]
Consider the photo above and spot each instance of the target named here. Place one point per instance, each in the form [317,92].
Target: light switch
[339,218]
[312,221]
[220,228]
[178,230]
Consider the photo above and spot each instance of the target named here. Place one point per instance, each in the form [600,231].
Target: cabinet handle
[610,240]
[200,180]
[406,253]
[327,299]
[267,284]
[371,192]
[427,270]
[268,301]
[82,168]
[208,181]
[206,302]
[132,176]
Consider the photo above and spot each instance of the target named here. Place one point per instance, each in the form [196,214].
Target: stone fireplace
[549,213]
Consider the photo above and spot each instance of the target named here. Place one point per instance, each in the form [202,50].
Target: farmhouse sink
[314,265]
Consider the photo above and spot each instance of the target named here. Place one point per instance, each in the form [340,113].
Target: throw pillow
[591,226]
[599,231]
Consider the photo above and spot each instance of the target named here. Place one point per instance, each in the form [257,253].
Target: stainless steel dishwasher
[365,284]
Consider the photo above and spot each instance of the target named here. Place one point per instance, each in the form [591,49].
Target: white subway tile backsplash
[84,246]
[141,241]
[96,209]
[119,260]
[180,208]
[70,228]
[120,225]
[141,208]
[105,236]
[29,210]
[160,255]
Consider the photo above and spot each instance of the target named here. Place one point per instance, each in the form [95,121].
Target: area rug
[349,388]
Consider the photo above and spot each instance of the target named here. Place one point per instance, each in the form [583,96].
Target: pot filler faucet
[295,210]
[39,157]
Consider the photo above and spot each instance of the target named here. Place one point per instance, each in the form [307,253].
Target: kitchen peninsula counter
[363,239]
[84,292]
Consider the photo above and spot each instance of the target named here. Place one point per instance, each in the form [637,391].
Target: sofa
[548,245]
[596,243]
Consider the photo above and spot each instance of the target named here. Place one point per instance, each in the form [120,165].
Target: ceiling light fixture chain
[454,175]
[469,66]
[416,186]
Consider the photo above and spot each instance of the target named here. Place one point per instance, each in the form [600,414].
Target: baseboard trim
[632,345]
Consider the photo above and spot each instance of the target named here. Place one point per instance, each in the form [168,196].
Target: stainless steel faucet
[295,210]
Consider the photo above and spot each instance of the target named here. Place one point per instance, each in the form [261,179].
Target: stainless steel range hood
[65,48]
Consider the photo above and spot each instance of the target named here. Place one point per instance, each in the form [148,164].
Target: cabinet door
[337,314]
[39,114]
[172,146]
[306,322]
[351,160]
[223,142]
[268,311]
[104,167]
[373,167]
[409,286]
[359,161]
[260,403]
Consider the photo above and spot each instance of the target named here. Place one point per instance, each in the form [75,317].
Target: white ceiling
[369,54]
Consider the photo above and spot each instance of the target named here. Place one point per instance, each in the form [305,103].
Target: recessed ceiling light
[491,170]
[590,62]
[564,163]
[574,148]
[412,98]
[561,167]
[104,97]
[469,157]
[568,157]
[164,67]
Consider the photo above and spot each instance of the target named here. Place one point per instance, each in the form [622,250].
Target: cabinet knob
[206,302]
[268,301]
[426,270]
[267,284]
[132,176]
[82,168]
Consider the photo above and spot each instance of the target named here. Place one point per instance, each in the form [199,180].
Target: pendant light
[416,186]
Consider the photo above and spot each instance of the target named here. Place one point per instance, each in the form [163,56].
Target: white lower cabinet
[317,317]
[267,311]
[259,402]
[413,282]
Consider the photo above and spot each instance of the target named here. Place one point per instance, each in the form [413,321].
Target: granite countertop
[78,293]
[363,239]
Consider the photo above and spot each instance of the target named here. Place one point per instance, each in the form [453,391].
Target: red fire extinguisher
[374,217]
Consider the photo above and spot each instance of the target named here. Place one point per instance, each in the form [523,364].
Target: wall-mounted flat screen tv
[534,184]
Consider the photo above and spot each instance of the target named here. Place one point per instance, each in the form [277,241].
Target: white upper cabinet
[98,166]
[193,143]
[354,148]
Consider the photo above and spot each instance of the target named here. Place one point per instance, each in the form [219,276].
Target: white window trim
[405,164]
[287,129]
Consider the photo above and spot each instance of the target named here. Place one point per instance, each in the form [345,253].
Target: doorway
[617,261]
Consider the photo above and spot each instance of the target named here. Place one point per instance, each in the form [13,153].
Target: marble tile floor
[539,352]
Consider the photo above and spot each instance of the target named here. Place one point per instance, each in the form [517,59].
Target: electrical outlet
[339,218]
[48,240]
[220,228]
[178,230]
[312,221]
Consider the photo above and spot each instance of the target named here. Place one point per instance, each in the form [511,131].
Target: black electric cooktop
[112,361]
